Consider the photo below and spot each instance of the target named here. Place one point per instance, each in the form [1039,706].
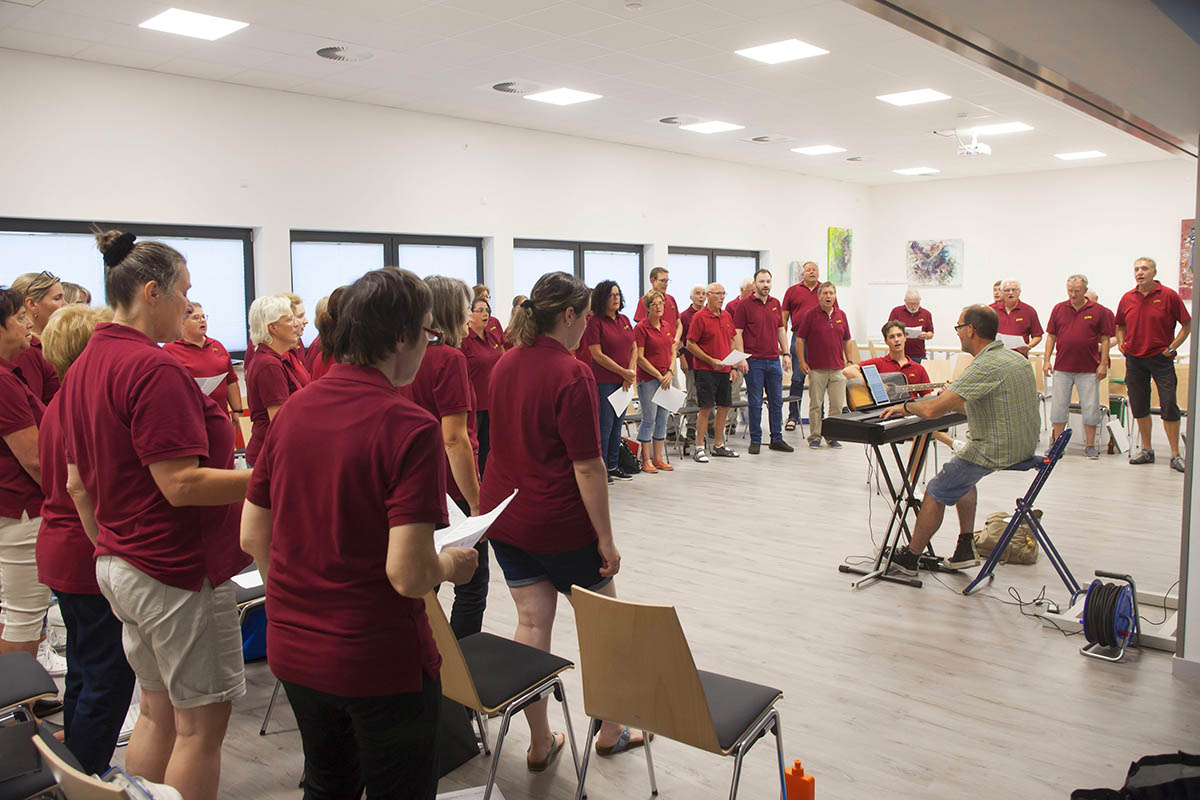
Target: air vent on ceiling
[343,53]
[679,120]
[856,159]
[517,87]
[770,138]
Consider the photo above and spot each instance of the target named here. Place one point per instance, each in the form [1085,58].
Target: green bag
[1023,548]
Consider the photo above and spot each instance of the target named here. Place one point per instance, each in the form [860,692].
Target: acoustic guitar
[858,395]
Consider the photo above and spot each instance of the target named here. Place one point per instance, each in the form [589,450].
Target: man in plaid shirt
[998,394]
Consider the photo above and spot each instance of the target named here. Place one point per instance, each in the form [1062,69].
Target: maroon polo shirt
[1149,319]
[482,353]
[712,333]
[319,368]
[913,348]
[759,321]
[823,335]
[913,372]
[206,361]
[1021,321]
[798,300]
[443,388]
[310,355]
[36,371]
[1077,336]
[348,459]
[732,306]
[19,409]
[685,320]
[494,328]
[128,404]
[270,381]
[615,337]
[657,344]
[545,417]
[296,356]
[65,555]
[670,312]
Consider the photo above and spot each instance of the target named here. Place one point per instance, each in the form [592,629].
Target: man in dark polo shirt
[1146,319]
[798,300]
[1018,319]
[914,318]
[1081,330]
[823,348]
[711,338]
[759,321]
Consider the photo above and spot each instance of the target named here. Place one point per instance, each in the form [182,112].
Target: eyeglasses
[199,317]
[432,334]
[959,327]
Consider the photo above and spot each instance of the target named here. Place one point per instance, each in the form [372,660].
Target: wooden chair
[961,362]
[855,356]
[938,369]
[638,671]
[75,784]
[875,353]
[490,674]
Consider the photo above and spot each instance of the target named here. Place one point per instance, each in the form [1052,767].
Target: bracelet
[905,406]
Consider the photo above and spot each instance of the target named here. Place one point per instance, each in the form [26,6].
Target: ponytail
[326,321]
[553,294]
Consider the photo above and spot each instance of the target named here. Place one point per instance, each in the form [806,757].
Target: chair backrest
[961,362]
[1039,378]
[1116,376]
[855,356]
[76,785]
[938,369]
[245,425]
[638,669]
[457,683]
[874,350]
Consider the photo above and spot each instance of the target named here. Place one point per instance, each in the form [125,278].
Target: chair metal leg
[650,762]
[593,729]
[487,792]
[737,771]
[561,694]
[777,727]
[483,737]
[270,707]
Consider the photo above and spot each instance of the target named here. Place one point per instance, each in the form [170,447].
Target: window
[726,267]
[591,261]
[687,270]
[320,267]
[624,267]
[730,269]
[531,263]
[220,263]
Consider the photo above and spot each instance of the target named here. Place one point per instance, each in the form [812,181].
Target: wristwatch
[1172,352]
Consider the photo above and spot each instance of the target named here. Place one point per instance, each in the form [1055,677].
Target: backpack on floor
[627,458]
[1022,549]
[1172,776]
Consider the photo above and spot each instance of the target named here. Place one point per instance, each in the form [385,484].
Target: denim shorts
[579,567]
[955,480]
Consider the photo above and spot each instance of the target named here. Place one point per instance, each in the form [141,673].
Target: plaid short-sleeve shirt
[1001,401]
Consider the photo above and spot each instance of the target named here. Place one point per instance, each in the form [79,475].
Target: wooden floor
[890,691]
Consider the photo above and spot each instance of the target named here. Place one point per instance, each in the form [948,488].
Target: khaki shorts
[187,644]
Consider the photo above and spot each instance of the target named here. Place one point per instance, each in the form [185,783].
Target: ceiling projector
[973,147]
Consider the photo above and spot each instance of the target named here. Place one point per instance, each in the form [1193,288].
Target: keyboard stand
[904,502]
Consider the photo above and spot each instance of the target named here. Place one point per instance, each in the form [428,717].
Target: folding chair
[23,681]
[638,671]
[1044,465]
[117,784]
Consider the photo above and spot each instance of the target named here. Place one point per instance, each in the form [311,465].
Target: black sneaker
[756,446]
[610,479]
[47,707]
[618,475]
[964,554]
[782,447]
[625,475]
[723,451]
[905,560]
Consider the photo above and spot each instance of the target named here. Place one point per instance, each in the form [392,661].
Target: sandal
[661,466]
[623,743]
[791,425]
[556,747]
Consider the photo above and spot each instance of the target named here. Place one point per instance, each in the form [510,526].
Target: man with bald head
[798,300]
[914,318]
[711,337]
[1017,318]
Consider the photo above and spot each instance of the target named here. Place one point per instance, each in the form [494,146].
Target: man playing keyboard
[998,394]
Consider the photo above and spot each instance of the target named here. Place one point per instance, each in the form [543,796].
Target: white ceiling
[674,57]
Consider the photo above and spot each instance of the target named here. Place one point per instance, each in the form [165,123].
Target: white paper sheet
[912,333]
[733,358]
[468,530]
[248,580]
[671,399]
[208,385]
[1012,340]
[620,400]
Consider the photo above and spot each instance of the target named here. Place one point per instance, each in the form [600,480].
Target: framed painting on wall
[795,269]
[1187,247]
[841,256]
[934,262]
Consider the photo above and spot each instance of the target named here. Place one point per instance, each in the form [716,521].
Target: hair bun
[120,247]
[527,305]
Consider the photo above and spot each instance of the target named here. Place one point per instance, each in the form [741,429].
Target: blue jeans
[99,680]
[654,418]
[610,425]
[797,388]
[765,373]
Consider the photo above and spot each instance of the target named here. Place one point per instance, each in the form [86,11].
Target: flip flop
[623,743]
[790,426]
[556,747]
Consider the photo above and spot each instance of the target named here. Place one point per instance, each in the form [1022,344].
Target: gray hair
[263,312]
[746,282]
[1007,281]
[912,293]
[1153,264]
[1078,277]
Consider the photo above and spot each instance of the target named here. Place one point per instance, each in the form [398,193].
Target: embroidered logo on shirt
[1087,316]
[1020,319]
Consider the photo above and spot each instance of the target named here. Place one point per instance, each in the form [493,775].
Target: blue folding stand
[1024,513]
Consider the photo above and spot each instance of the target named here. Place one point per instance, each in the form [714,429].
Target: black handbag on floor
[1172,776]
[626,460]
[456,742]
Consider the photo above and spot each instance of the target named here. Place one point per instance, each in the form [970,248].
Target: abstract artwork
[935,262]
[794,272]
[1187,246]
[841,256]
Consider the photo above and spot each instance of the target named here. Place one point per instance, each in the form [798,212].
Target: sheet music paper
[671,399]
[209,385]
[1012,340]
[913,332]
[248,580]
[620,400]
[467,531]
[733,358]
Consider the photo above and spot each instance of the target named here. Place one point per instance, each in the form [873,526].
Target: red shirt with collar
[1149,319]
[685,320]
[19,409]
[657,344]
[482,353]
[1077,335]
[759,321]
[310,355]
[319,367]
[206,361]
[670,313]
[914,347]
[823,335]
[348,459]
[66,558]
[494,328]
[443,388]
[270,380]
[545,417]
[712,333]
[913,372]
[798,300]
[1021,321]
[615,337]
[127,404]
[732,306]
[36,371]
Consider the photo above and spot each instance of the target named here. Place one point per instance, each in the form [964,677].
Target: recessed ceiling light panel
[916,171]
[1082,154]
[779,52]
[189,23]
[998,128]
[818,150]
[913,98]
[712,126]
[563,97]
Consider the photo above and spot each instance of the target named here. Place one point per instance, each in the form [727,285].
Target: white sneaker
[957,446]
[51,661]
[131,716]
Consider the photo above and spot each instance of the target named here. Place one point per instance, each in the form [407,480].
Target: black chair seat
[32,783]
[22,679]
[504,670]
[734,705]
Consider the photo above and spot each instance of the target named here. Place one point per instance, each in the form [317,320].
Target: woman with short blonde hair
[272,377]
[41,295]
